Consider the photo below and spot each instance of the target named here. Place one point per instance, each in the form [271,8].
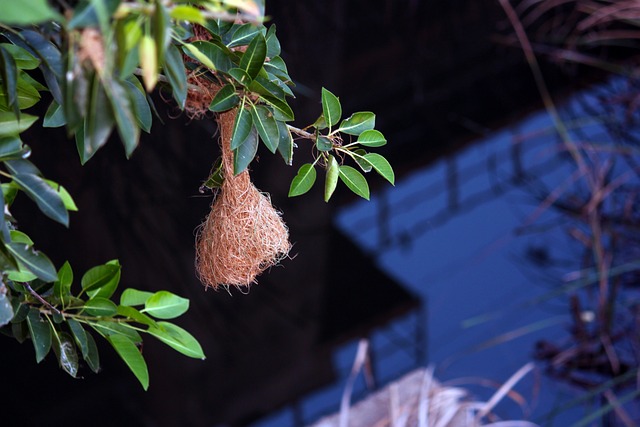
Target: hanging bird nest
[243,234]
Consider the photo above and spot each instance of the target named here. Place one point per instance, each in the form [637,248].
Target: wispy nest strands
[243,234]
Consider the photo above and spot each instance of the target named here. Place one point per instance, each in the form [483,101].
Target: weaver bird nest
[243,234]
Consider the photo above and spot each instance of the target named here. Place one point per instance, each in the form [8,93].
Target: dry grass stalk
[243,234]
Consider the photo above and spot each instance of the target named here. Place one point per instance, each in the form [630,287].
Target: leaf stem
[301,132]
[39,298]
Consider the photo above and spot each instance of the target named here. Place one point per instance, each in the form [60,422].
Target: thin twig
[39,298]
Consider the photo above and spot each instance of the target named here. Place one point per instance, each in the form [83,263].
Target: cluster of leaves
[95,61]
[53,317]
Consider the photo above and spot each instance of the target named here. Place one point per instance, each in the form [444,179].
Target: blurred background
[510,236]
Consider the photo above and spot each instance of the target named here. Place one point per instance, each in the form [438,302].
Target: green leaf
[100,307]
[136,315]
[282,111]
[139,104]
[161,29]
[216,55]
[40,332]
[303,181]
[67,200]
[148,51]
[254,56]
[266,126]
[25,96]
[47,52]
[194,51]
[66,353]
[34,261]
[216,177]
[323,143]
[358,123]
[6,310]
[358,156]
[27,12]
[123,114]
[178,339]
[355,181]
[47,199]
[262,86]
[131,297]
[382,166]
[244,154]
[331,179]
[98,122]
[23,59]
[62,286]
[99,276]
[165,305]
[80,335]
[278,68]
[331,108]
[11,125]
[173,67]
[187,13]
[11,148]
[241,126]
[273,44]
[9,73]
[54,116]
[22,166]
[92,357]
[132,357]
[243,35]
[225,99]
[285,144]
[240,76]
[372,138]
[109,327]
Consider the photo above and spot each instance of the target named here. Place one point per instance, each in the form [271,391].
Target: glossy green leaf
[262,86]
[358,123]
[25,96]
[331,108]
[161,29]
[47,199]
[273,44]
[281,110]
[241,126]
[216,177]
[62,286]
[23,59]
[365,165]
[65,351]
[173,67]
[109,327]
[225,99]
[99,276]
[11,148]
[132,313]
[372,138]
[382,166]
[6,310]
[285,144]
[245,153]
[243,35]
[21,274]
[54,117]
[100,307]
[123,114]
[139,104]
[109,285]
[20,331]
[194,50]
[46,51]
[98,123]
[331,179]
[22,166]
[92,13]
[355,181]
[323,143]
[178,339]
[148,52]
[132,357]
[80,336]
[266,126]
[132,297]
[36,262]
[165,305]
[10,125]
[9,73]
[216,55]
[92,357]
[254,56]
[303,181]
[240,76]
[27,12]
[40,332]
[187,13]
[67,200]
[278,67]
